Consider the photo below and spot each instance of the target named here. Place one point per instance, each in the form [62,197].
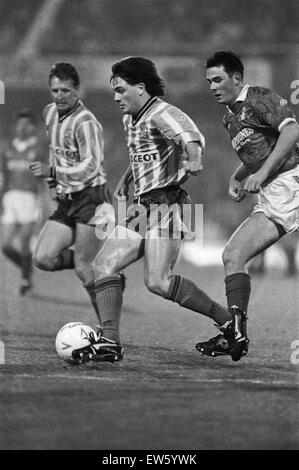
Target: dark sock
[65,260]
[188,295]
[27,266]
[13,255]
[93,297]
[237,287]
[109,301]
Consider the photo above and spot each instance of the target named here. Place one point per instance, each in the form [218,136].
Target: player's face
[224,87]
[24,128]
[64,94]
[129,97]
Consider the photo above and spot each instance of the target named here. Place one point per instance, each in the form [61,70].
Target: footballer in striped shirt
[157,138]
[165,148]
[76,169]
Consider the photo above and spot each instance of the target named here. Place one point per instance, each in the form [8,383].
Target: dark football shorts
[159,213]
[79,207]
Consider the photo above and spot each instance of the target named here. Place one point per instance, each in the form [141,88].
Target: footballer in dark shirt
[264,133]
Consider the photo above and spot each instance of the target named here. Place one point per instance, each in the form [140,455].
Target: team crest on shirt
[144,132]
[283,102]
[181,118]
[68,137]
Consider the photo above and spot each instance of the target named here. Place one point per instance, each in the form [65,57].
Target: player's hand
[235,191]
[40,169]
[254,182]
[193,167]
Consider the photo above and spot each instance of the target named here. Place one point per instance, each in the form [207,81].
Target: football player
[264,133]
[165,148]
[76,143]
[21,196]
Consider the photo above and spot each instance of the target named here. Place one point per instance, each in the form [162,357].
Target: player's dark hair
[64,71]
[136,70]
[25,113]
[230,61]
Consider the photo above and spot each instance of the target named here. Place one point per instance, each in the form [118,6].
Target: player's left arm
[193,158]
[180,128]
[287,139]
[273,112]
[122,189]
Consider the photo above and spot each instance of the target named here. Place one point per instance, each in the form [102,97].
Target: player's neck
[147,104]
[63,113]
[235,100]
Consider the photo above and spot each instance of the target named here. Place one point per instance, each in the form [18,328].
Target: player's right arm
[122,188]
[235,190]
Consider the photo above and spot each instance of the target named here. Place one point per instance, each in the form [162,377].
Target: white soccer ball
[72,336]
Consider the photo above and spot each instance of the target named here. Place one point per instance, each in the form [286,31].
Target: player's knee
[103,267]
[42,261]
[83,270]
[230,256]
[156,285]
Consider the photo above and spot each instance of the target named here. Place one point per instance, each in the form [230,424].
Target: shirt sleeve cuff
[285,122]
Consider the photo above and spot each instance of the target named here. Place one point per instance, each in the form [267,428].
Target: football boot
[217,346]
[235,332]
[99,350]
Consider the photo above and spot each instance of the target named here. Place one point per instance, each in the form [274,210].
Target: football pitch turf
[164,394]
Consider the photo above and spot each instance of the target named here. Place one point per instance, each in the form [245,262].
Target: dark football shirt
[254,124]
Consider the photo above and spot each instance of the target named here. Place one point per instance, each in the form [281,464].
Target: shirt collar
[243,93]
[71,111]
[144,108]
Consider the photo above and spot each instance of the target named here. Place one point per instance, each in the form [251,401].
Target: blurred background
[178,35]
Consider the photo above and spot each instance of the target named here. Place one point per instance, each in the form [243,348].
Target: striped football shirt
[76,147]
[156,141]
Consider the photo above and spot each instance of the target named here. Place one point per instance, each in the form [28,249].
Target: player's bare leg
[52,249]
[25,235]
[87,246]
[118,252]
[253,236]
[8,235]
[16,246]
[160,257]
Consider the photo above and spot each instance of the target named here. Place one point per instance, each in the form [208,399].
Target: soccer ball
[72,336]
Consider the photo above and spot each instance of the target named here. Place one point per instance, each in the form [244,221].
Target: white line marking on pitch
[71,377]
[118,379]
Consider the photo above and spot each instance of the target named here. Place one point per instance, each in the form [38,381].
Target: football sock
[237,287]
[188,295]
[93,297]
[65,260]
[26,266]
[109,301]
[13,255]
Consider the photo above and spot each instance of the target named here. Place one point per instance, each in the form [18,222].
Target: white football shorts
[20,207]
[279,200]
